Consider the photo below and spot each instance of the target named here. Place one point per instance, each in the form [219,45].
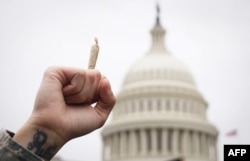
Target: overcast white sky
[211,37]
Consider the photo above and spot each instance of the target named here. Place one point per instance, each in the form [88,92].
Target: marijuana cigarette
[93,55]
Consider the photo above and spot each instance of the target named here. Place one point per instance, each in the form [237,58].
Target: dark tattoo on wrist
[39,139]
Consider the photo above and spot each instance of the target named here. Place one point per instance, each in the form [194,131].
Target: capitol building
[160,114]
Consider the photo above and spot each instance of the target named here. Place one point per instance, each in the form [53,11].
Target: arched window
[132,106]
[150,105]
[125,107]
[159,105]
[184,106]
[167,105]
[176,105]
[140,106]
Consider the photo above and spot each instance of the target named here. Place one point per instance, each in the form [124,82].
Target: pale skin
[63,109]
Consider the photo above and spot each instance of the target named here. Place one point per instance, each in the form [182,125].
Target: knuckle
[102,121]
[50,71]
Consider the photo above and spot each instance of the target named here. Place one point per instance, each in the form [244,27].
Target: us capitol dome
[159,114]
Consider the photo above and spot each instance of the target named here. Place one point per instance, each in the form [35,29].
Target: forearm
[12,151]
[43,142]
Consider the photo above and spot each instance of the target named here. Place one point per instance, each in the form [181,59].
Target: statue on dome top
[158,14]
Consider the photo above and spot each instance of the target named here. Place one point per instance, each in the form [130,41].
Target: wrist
[43,142]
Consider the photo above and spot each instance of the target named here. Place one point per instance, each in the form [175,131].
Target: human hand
[63,109]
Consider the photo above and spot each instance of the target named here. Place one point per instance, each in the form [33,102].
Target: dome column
[154,141]
[165,143]
[123,144]
[184,143]
[203,145]
[175,142]
[106,148]
[196,147]
[143,142]
[132,143]
[115,146]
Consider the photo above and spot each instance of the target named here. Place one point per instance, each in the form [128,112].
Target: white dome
[158,73]
[158,67]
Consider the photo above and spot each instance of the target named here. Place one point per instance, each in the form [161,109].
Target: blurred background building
[160,114]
